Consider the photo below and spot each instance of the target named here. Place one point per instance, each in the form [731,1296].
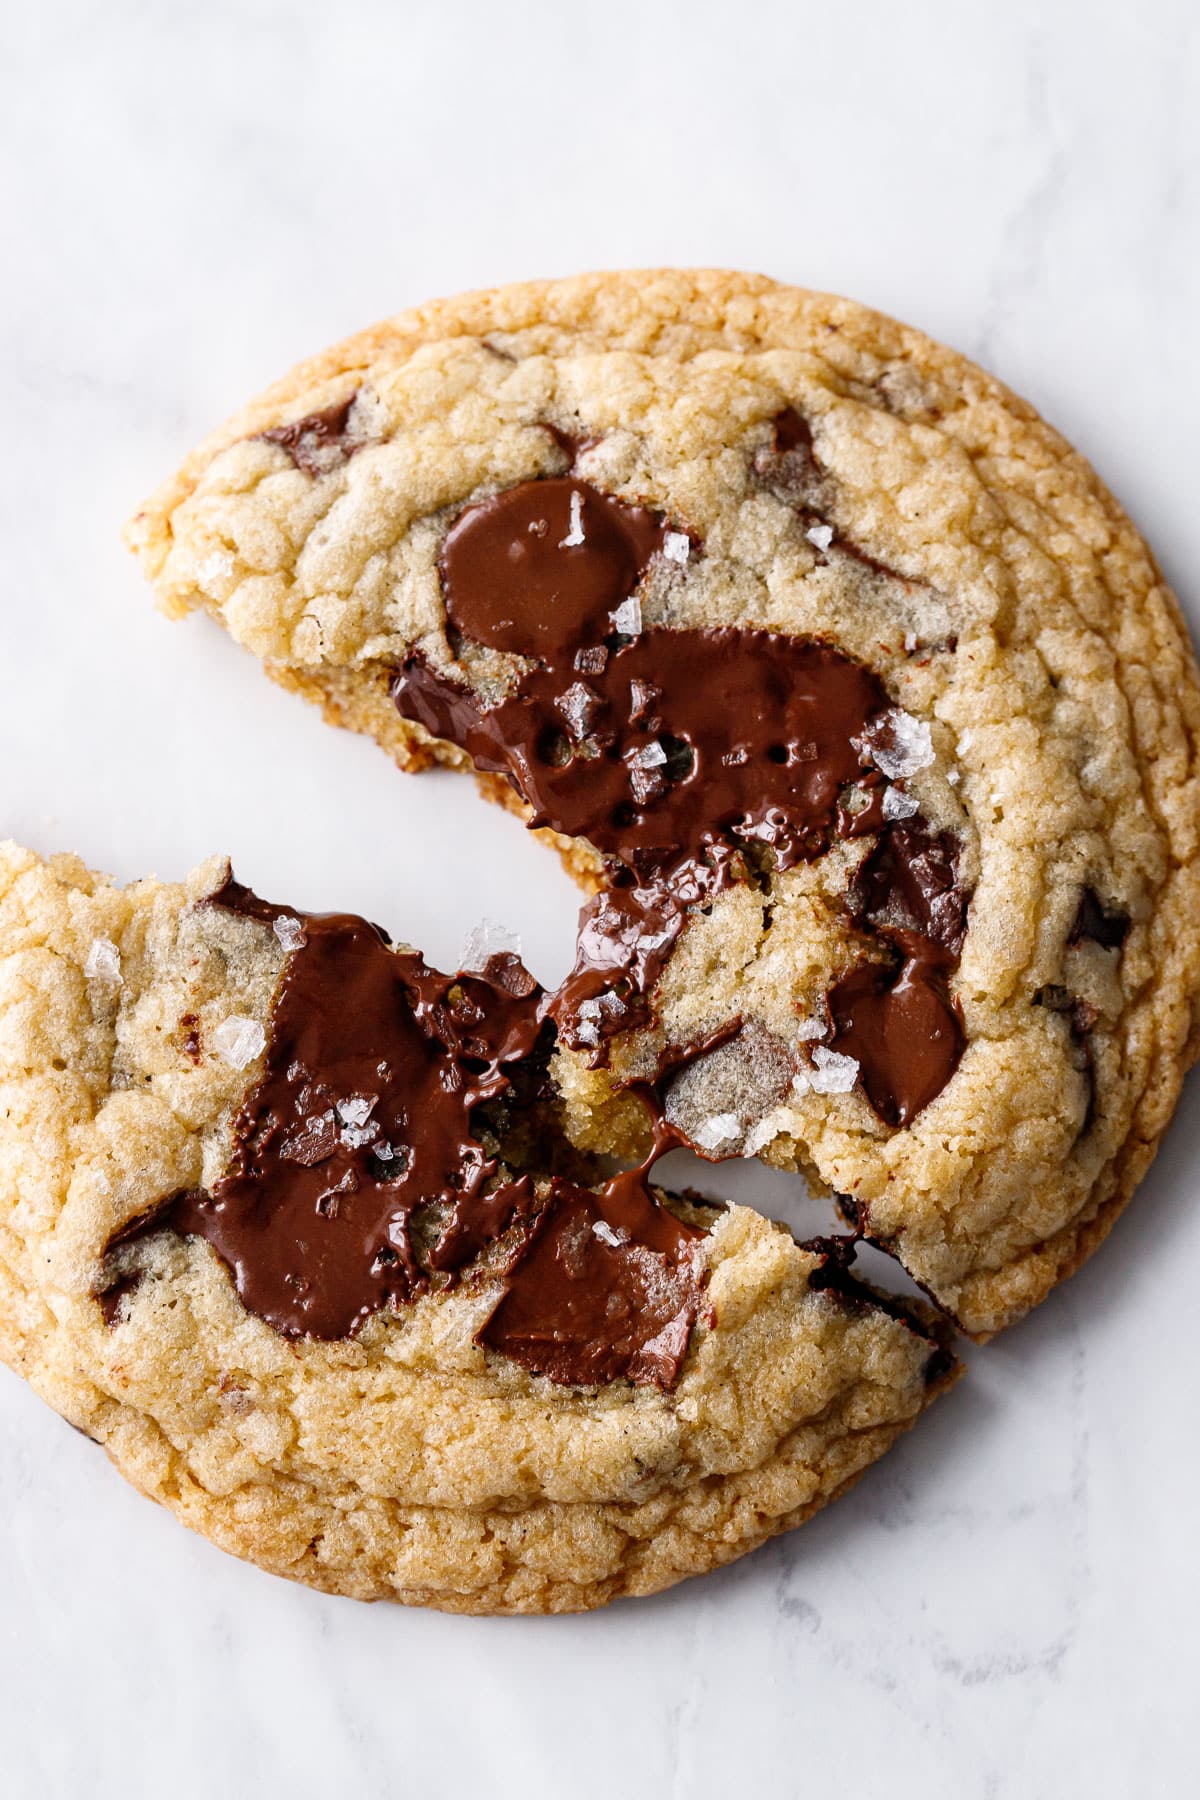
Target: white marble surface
[195,195]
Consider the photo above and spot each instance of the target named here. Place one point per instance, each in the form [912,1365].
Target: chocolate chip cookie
[835,674]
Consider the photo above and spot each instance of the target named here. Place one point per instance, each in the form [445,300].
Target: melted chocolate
[608,1287]
[316,440]
[514,579]
[900,1023]
[677,754]
[357,1177]
[361,1119]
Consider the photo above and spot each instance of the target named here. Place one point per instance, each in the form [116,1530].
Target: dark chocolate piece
[1108,926]
[608,1288]
[315,440]
[362,1120]
[900,1023]
[111,1301]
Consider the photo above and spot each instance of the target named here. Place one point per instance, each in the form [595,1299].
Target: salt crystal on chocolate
[482,942]
[604,1231]
[238,1040]
[899,745]
[289,931]
[575,530]
[103,961]
[808,1029]
[628,617]
[651,756]
[577,706]
[355,1136]
[677,546]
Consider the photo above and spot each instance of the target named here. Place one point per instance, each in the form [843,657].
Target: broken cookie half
[837,676]
[286,1223]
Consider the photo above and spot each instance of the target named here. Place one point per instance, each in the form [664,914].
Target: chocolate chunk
[908,889]
[1105,925]
[362,1125]
[903,1030]
[542,565]
[318,441]
[361,1119]
[900,1023]
[111,1301]
[607,1289]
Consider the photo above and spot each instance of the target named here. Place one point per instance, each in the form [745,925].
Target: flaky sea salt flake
[628,617]
[898,743]
[604,1231]
[820,536]
[289,931]
[103,961]
[238,1040]
[808,1029]
[677,546]
[899,805]
[577,706]
[575,530]
[485,940]
[832,1073]
[651,756]
[718,1129]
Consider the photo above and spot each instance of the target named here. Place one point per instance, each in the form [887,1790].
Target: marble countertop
[195,197]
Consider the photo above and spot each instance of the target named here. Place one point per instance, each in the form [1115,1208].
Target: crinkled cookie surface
[406,1461]
[837,479]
